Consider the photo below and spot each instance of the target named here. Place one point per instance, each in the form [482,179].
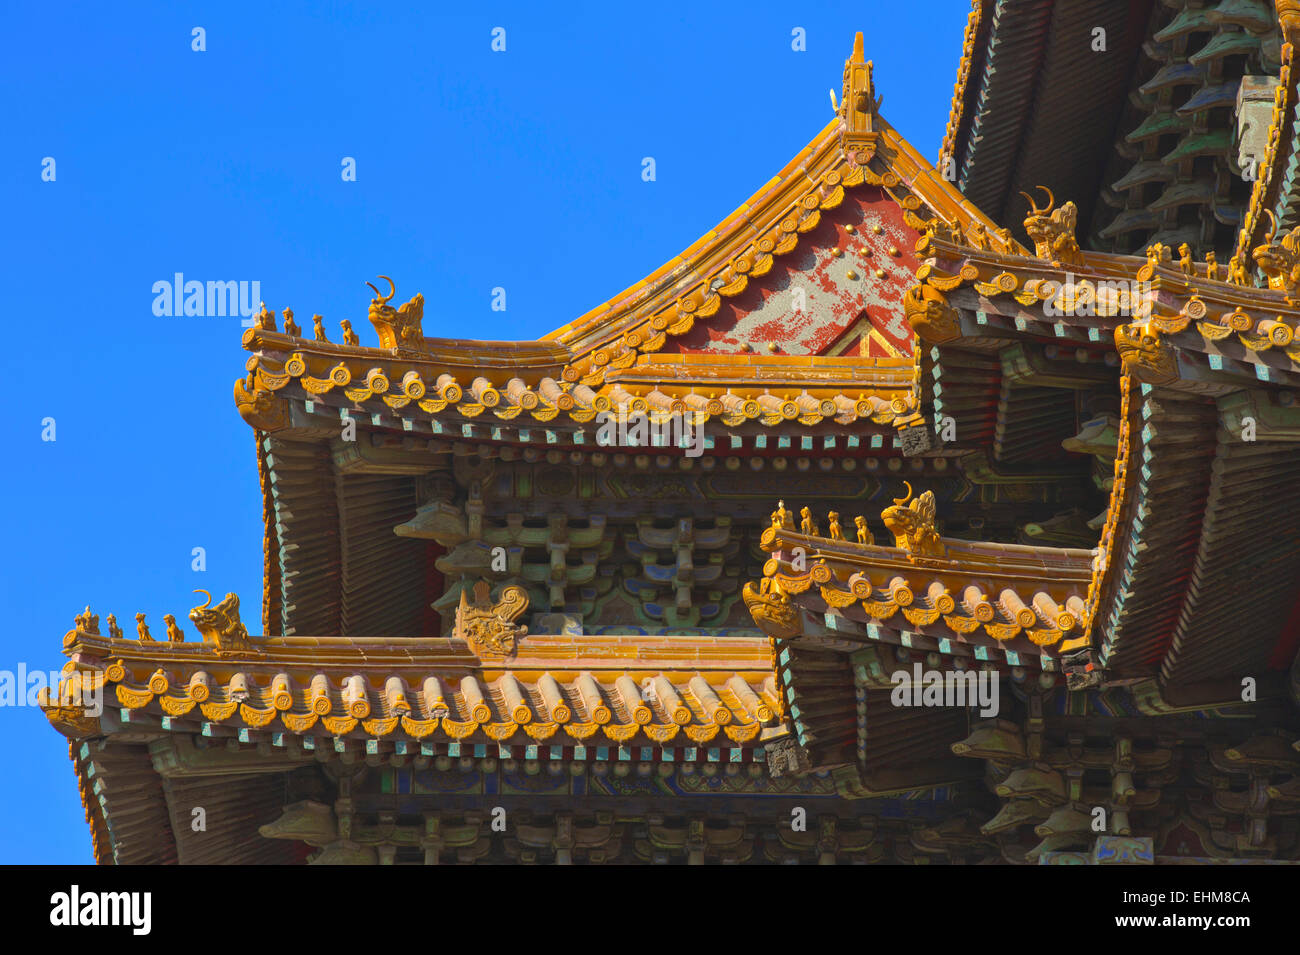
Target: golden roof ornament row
[957,107]
[1160,255]
[502,706]
[430,383]
[437,689]
[911,521]
[397,327]
[782,518]
[219,626]
[1004,592]
[1108,291]
[1284,102]
[976,238]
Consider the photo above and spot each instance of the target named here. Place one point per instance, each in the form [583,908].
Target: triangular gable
[815,263]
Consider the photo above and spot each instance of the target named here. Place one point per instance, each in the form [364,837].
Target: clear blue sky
[475,170]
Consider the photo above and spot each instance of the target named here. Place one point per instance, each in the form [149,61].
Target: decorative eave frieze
[961,589]
[562,689]
[1233,328]
[735,390]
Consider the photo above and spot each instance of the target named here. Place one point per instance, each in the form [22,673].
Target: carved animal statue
[913,524]
[87,622]
[1141,351]
[349,336]
[396,325]
[808,525]
[220,624]
[312,822]
[1211,266]
[782,518]
[771,608]
[1159,254]
[1280,260]
[142,629]
[114,630]
[174,633]
[864,532]
[265,319]
[319,327]
[1236,271]
[1185,263]
[489,626]
[834,530]
[290,326]
[1053,232]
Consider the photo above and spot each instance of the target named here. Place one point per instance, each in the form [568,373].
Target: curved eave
[1219,334]
[703,691]
[1181,554]
[993,596]
[714,391]
[497,360]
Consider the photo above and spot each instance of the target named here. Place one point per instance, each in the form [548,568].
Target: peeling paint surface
[808,305]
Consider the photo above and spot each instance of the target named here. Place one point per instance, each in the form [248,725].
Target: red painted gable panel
[809,305]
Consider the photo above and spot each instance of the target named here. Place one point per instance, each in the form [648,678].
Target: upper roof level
[1168,142]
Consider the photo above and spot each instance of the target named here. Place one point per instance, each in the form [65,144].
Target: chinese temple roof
[1163,576]
[771,223]
[556,689]
[1149,154]
[1206,375]
[426,394]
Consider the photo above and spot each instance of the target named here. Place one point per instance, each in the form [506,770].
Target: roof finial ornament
[857,107]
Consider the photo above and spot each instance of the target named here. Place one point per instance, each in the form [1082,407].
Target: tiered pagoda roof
[1153,152]
[1089,457]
